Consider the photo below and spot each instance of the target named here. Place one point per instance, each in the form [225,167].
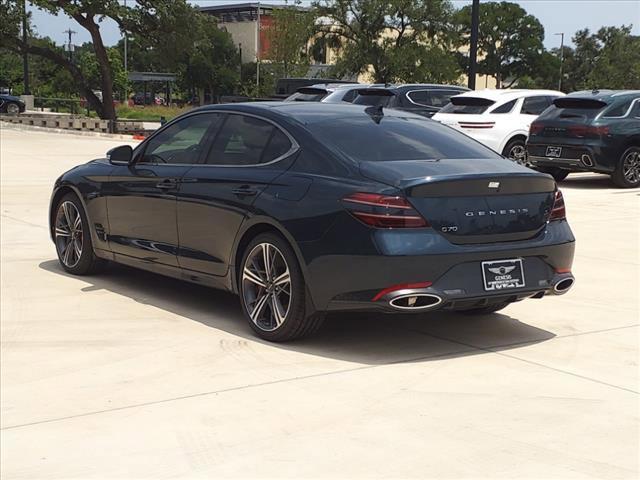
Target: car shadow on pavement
[356,337]
[587,181]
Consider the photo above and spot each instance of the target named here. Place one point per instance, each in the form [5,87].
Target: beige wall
[244,33]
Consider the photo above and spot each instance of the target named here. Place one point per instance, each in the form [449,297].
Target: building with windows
[247,23]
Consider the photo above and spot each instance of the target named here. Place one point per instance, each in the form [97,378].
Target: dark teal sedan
[595,131]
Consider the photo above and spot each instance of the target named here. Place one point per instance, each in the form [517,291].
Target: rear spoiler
[380,92]
[578,102]
[312,90]
[471,101]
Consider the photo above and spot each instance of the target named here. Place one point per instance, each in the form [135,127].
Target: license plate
[554,151]
[503,274]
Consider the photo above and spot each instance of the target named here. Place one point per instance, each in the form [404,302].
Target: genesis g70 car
[306,208]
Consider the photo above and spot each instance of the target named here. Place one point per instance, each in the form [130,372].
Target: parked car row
[591,131]
[11,105]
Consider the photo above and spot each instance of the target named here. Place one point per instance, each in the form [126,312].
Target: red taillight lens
[383,211]
[403,286]
[536,128]
[581,131]
[558,212]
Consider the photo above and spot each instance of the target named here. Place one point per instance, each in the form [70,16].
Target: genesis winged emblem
[502,270]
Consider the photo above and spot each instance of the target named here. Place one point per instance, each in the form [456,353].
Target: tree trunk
[498,80]
[108,110]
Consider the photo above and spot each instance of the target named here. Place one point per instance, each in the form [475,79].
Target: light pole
[70,45]
[126,71]
[473,47]
[25,57]
[561,58]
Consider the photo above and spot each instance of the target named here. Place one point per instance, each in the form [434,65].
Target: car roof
[332,87]
[408,86]
[605,95]
[507,94]
[305,112]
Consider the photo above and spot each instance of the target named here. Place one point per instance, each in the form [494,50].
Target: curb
[33,128]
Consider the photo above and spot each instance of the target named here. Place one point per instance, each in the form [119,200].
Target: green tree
[509,40]
[396,40]
[180,38]
[172,36]
[288,36]
[609,58]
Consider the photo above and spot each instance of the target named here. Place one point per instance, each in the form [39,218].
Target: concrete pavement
[131,375]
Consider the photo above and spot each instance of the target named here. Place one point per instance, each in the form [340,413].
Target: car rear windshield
[468,105]
[373,100]
[391,138]
[578,108]
[307,97]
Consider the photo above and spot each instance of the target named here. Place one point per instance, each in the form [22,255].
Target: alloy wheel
[68,234]
[13,109]
[631,167]
[266,286]
[518,154]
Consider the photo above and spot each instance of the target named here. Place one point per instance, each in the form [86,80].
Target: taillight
[383,211]
[536,128]
[581,131]
[558,211]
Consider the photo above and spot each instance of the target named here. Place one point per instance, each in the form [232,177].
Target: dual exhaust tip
[425,301]
[415,301]
[563,285]
[587,161]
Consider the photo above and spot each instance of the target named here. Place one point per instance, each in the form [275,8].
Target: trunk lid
[568,122]
[472,200]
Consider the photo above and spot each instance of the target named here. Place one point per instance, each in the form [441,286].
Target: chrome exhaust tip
[563,285]
[415,301]
[586,160]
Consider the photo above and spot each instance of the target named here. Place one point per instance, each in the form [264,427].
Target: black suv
[422,99]
[597,131]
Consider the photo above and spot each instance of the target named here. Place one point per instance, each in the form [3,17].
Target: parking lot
[132,375]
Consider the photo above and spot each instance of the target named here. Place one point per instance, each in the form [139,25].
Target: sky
[567,16]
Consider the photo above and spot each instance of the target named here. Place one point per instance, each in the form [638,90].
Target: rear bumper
[575,158]
[351,282]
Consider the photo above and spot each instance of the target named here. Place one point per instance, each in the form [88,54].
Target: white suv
[500,119]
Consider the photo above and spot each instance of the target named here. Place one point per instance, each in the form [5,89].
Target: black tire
[489,309]
[558,174]
[516,151]
[297,322]
[12,108]
[86,263]
[627,172]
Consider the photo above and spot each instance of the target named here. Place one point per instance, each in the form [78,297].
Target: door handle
[167,184]
[244,191]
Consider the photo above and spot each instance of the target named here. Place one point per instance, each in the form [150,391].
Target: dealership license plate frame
[553,151]
[489,277]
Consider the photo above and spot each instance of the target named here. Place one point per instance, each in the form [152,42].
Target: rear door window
[618,109]
[505,108]
[535,105]
[245,140]
[432,98]
[439,98]
[349,96]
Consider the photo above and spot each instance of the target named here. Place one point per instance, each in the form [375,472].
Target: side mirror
[121,155]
